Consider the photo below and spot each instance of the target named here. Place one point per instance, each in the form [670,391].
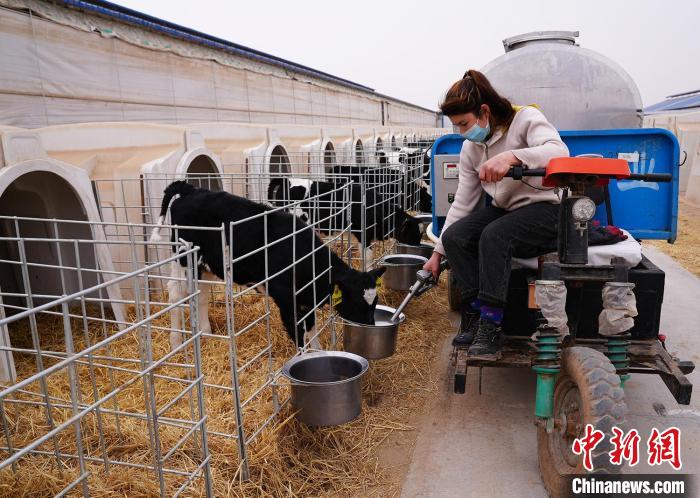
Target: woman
[522,218]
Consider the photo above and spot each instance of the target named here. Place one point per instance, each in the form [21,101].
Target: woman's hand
[495,168]
[433,265]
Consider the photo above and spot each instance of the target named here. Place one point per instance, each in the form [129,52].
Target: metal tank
[576,88]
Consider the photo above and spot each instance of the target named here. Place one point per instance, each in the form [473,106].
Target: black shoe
[487,343]
[467,328]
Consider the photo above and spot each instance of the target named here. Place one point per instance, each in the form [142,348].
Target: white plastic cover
[630,251]
[61,65]
[550,296]
[619,308]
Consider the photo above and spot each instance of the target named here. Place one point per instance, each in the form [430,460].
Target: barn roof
[677,102]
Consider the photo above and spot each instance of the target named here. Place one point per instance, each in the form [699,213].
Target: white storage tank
[576,88]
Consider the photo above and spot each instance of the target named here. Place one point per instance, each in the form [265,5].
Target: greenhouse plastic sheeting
[64,66]
[686,126]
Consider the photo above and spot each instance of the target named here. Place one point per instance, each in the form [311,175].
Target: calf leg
[312,339]
[369,256]
[203,307]
[176,292]
[310,336]
[205,292]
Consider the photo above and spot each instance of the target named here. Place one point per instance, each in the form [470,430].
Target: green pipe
[544,395]
[617,353]
[547,367]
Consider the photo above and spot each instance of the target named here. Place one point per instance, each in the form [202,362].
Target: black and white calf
[412,166]
[417,161]
[198,207]
[395,168]
[321,208]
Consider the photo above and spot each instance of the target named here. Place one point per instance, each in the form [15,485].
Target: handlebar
[518,172]
[651,177]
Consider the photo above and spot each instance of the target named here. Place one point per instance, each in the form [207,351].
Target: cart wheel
[454,296]
[587,392]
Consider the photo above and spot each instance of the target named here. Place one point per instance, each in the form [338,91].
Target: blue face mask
[477,133]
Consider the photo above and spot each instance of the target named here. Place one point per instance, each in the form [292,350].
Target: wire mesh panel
[161,357]
[94,398]
[380,195]
[268,277]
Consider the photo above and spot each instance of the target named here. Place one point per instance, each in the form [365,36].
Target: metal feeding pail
[326,386]
[424,219]
[425,250]
[401,270]
[373,342]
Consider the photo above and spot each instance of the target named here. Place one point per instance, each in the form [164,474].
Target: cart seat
[629,250]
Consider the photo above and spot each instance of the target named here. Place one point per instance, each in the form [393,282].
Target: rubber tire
[603,406]
[454,295]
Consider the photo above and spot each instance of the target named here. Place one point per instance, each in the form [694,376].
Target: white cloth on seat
[629,250]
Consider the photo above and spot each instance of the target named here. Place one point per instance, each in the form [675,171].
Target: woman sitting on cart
[521,220]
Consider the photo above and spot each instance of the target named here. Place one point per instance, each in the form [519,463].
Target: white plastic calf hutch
[342,139]
[130,164]
[33,194]
[328,157]
[116,155]
[365,144]
[306,145]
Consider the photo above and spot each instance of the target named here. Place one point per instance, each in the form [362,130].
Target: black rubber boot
[487,343]
[467,328]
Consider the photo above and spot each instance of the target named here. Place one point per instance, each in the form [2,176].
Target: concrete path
[484,445]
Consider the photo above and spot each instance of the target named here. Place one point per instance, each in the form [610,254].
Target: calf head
[283,191]
[355,295]
[425,200]
[277,191]
[407,228]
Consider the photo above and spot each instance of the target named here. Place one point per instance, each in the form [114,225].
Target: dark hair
[468,95]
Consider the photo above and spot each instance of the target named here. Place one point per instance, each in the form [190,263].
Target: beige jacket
[533,140]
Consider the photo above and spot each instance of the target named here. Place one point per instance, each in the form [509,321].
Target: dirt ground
[686,249]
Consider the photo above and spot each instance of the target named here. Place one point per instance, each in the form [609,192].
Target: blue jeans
[479,247]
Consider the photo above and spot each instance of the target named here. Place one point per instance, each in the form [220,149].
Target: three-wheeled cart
[611,308]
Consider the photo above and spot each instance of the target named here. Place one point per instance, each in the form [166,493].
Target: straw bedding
[686,249]
[286,459]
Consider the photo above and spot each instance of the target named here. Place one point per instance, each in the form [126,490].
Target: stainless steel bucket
[425,250]
[373,342]
[424,219]
[326,386]
[401,270]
